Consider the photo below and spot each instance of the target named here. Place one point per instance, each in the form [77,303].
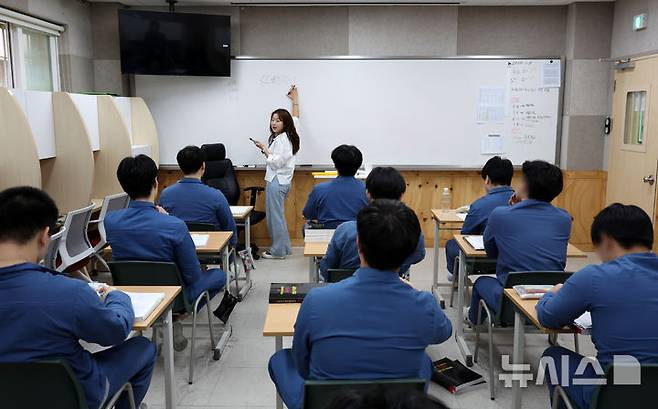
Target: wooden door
[633,151]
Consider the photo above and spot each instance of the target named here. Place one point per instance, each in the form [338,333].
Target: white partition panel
[125,109]
[38,108]
[88,107]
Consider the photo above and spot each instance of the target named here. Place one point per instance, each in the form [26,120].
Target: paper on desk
[318,235]
[475,241]
[461,216]
[238,210]
[584,322]
[145,303]
[200,240]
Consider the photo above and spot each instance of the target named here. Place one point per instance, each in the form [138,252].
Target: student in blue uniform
[529,235]
[192,201]
[331,203]
[619,294]
[382,183]
[497,174]
[145,232]
[371,325]
[44,314]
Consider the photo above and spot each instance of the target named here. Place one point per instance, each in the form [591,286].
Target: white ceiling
[320,2]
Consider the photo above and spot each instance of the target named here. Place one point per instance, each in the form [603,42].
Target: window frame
[647,101]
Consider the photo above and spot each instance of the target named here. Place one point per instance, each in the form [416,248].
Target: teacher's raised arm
[280,152]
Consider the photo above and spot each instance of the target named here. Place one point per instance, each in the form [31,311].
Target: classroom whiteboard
[415,112]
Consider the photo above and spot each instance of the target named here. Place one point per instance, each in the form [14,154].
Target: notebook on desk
[143,303]
[318,235]
[238,210]
[200,240]
[476,242]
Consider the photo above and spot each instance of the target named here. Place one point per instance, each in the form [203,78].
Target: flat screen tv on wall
[156,43]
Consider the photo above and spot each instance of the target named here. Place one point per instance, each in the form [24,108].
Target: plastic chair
[99,240]
[318,394]
[153,273]
[611,396]
[47,384]
[50,258]
[74,247]
[220,174]
[505,314]
[335,275]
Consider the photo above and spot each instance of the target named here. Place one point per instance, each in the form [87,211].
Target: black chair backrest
[220,173]
[335,275]
[47,384]
[614,396]
[506,308]
[319,394]
[194,226]
[150,273]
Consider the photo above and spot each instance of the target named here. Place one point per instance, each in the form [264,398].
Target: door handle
[649,179]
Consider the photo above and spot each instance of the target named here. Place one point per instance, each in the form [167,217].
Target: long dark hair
[288,128]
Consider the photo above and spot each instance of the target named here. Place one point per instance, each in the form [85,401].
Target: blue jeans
[488,289]
[131,361]
[580,395]
[275,196]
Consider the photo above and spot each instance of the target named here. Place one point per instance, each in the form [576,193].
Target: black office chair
[318,394]
[47,384]
[335,275]
[220,174]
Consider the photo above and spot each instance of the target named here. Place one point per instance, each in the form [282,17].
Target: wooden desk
[162,313]
[446,220]
[466,253]
[314,251]
[525,309]
[280,320]
[217,241]
[242,217]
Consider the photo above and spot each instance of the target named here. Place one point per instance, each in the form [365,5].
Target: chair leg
[455,269]
[552,339]
[196,306]
[100,259]
[575,342]
[127,388]
[212,336]
[477,334]
[483,306]
[83,275]
[559,395]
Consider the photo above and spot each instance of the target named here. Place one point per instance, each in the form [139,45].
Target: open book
[318,235]
[238,210]
[143,303]
[476,242]
[532,291]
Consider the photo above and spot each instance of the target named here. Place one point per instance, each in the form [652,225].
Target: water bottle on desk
[446,199]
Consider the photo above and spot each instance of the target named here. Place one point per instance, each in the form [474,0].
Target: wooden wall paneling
[19,159]
[583,197]
[68,177]
[114,146]
[144,130]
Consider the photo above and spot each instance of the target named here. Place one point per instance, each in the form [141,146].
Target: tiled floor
[240,379]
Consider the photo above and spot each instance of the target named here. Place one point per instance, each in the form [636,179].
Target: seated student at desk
[145,232]
[371,325]
[529,235]
[331,203]
[382,183]
[620,294]
[497,174]
[192,201]
[45,314]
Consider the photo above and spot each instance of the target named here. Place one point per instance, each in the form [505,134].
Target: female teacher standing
[280,151]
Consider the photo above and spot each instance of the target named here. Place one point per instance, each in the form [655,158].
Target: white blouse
[281,161]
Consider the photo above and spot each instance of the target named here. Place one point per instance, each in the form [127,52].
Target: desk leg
[168,346]
[247,233]
[312,266]
[247,237]
[435,276]
[517,358]
[278,346]
[461,295]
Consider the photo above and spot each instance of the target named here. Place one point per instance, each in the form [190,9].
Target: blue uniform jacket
[140,232]
[478,214]
[332,203]
[343,252]
[530,236]
[44,315]
[621,295]
[368,326]
[192,201]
